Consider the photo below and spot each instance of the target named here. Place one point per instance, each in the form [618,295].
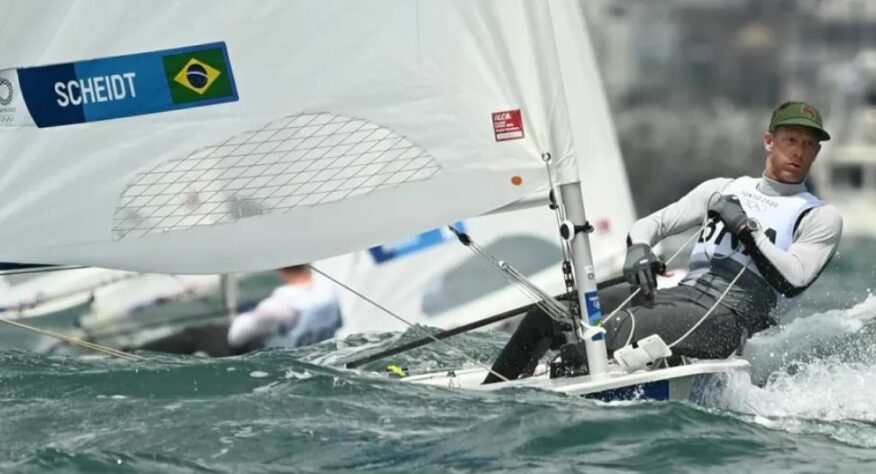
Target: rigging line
[540,298]
[536,294]
[524,282]
[632,327]
[74,341]
[545,297]
[556,311]
[552,311]
[543,300]
[738,275]
[532,296]
[451,332]
[411,325]
[530,293]
[669,260]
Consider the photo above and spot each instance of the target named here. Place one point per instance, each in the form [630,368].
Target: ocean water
[807,407]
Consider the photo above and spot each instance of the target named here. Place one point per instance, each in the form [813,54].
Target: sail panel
[459,285]
[168,137]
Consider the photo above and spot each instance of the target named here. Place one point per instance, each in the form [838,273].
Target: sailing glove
[641,268]
[729,210]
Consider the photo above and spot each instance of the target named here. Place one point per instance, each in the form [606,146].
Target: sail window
[298,161]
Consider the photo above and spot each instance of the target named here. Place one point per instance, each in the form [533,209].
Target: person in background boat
[772,226]
[303,311]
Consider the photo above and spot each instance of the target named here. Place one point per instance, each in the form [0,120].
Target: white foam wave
[806,336]
[833,322]
[826,397]
[827,390]
[811,387]
[334,350]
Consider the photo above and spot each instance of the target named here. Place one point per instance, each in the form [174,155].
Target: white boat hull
[673,383]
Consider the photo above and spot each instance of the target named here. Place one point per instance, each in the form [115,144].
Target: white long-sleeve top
[294,315]
[789,272]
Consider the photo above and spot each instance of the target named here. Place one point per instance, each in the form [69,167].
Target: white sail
[432,279]
[37,294]
[123,300]
[167,136]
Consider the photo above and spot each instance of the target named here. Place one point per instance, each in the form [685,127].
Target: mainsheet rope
[411,325]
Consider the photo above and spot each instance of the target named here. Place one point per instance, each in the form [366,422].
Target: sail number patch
[125,86]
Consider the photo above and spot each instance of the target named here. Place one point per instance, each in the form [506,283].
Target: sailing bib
[777,216]
[319,314]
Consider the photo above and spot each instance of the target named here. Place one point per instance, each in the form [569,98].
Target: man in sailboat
[782,235]
[303,311]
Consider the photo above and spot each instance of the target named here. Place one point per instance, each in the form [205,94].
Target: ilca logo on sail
[197,76]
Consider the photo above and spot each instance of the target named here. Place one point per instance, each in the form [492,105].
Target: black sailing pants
[211,339]
[673,312]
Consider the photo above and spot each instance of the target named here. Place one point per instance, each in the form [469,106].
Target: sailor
[782,235]
[303,311]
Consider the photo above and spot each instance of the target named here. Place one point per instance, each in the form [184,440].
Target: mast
[576,230]
[228,287]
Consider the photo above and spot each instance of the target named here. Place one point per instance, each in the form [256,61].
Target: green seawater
[808,407]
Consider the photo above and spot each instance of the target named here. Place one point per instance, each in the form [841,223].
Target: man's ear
[768,140]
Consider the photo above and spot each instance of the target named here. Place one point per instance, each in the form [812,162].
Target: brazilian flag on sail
[196,76]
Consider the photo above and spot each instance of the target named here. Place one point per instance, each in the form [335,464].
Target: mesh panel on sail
[302,160]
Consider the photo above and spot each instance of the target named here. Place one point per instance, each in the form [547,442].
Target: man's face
[791,150]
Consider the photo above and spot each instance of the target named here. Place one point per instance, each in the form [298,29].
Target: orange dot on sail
[516,180]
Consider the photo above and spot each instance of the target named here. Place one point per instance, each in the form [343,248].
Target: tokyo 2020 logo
[6,91]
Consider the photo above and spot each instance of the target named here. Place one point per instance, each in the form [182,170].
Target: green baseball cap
[798,113]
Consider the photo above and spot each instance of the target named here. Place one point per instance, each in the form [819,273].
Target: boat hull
[673,383]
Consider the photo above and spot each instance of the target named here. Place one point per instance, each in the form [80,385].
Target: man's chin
[792,178]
